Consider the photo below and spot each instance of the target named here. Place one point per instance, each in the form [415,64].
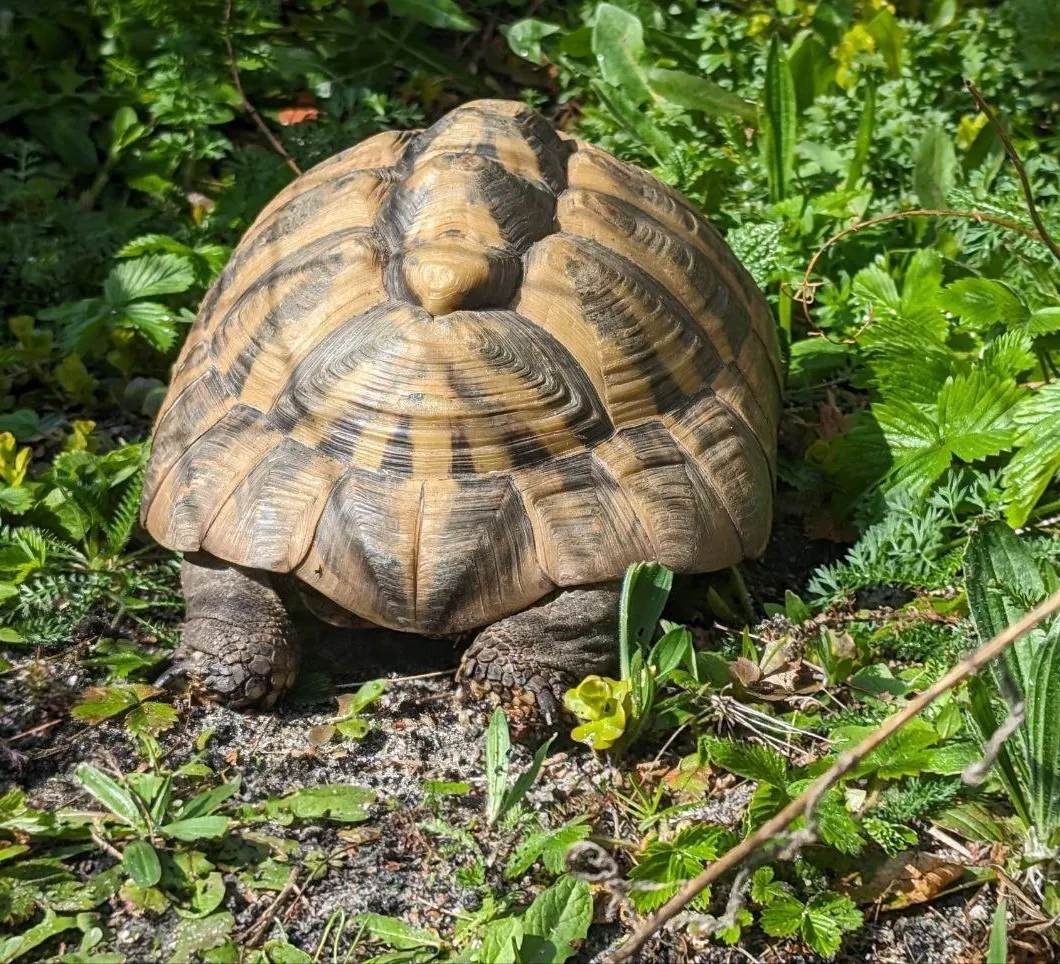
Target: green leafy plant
[500,797]
[820,922]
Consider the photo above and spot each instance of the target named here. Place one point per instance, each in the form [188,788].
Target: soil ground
[420,731]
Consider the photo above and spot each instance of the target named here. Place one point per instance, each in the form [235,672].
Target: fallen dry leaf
[910,878]
[289,116]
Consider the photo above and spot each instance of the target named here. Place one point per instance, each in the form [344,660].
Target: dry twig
[804,803]
[807,289]
[1028,194]
[226,34]
[259,929]
[805,294]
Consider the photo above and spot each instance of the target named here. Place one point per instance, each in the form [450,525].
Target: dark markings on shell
[302,280]
[397,456]
[474,573]
[601,279]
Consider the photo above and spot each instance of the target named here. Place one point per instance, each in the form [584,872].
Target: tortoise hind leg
[238,638]
[531,659]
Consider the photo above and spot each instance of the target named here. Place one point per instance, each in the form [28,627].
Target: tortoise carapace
[461,378]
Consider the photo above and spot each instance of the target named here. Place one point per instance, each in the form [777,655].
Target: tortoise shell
[447,371]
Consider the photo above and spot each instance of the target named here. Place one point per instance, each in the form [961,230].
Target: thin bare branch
[805,294]
[1010,150]
[846,761]
[226,35]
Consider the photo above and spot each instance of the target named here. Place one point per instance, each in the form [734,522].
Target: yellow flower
[604,705]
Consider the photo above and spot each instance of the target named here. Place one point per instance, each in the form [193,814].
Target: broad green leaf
[764,889]
[102,702]
[353,703]
[281,952]
[111,794]
[887,32]
[812,67]
[141,862]
[498,750]
[644,593]
[524,38]
[921,287]
[197,935]
[752,761]
[863,142]
[550,845]
[151,717]
[780,121]
[1003,582]
[1044,321]
[973,420]
[618,44]
[354,728]
[974,821]
[147,277]
[1011,770]
[980,303]
[396,933]
[834,822]
[526,780]
[196,828]
[501,939]
[1043,733]
[444,14]
[816,358]
[997,952]
[875,286]
[670,651]
[344,802]
[1037,458]
[782,917]
[632,117]
[827,918]
[206,802]
[14,947]
[562,915]
[878,680]
[936,164]
[153,321]
[697,93]
[1009,354]
[795,610]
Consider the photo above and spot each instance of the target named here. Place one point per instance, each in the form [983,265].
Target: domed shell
[447,371]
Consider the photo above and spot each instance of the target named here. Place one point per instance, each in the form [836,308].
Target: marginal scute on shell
[448,371]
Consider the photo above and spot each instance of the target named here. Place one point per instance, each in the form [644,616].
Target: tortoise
[457,379]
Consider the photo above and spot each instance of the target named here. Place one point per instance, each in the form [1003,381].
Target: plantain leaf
[142,863]
[933,173]
[629,114]
[618,44]
[1003,582]
[780,121]
[498,748]
[997,952]
[111,794]
[697,93]
[1043,734]
[863,142]
[444,14]
[644,593]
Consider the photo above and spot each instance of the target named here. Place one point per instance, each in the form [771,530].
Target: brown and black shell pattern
[448,371]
